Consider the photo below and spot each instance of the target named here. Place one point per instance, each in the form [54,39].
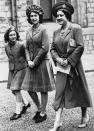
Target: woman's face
[61,18]
[12,36]
[34,18]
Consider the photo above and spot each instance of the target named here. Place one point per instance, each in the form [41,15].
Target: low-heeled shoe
[15,116]
[25,108]
[41,118]
[36,115]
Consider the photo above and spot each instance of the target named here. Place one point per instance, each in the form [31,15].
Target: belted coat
[70,46]
[17,65]
[39,78]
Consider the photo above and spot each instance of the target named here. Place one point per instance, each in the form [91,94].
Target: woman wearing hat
[38,77]
[66,50]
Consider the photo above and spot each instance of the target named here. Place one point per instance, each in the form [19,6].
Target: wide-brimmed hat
[64,5]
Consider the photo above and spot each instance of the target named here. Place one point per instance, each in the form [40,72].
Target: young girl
[17,68]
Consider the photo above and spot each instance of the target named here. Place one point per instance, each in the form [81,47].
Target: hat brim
[59,5]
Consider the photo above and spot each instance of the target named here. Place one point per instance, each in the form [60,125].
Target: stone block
[90,47]
[3,56]
[91,36]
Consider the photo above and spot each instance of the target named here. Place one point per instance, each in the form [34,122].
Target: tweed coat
[17,65]
[76,92]
[40,77]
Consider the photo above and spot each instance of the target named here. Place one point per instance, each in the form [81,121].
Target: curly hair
[6,35]
[36,9]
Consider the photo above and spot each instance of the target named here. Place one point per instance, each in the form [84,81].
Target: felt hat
[64,5]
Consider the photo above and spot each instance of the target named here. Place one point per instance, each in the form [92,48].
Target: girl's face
[34,18]
[61,18]
[12,36]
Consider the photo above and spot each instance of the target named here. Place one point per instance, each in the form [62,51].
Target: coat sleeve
[44,49]
[74,57]
[53,49]
[23,50]
[6,51]
[29,54]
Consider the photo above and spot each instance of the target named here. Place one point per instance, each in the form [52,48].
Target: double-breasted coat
[40,77]
[70,46]
[17,65]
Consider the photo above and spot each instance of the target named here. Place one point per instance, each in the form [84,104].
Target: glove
[62,61]
[31,64]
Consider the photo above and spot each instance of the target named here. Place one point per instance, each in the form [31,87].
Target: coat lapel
[66,32]
[31,33]
[12,50]
[36,32]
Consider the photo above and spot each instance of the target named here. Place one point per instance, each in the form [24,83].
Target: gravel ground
[70,117]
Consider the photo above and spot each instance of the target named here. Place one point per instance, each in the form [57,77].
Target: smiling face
[34,18]
[12,36]
[61,18]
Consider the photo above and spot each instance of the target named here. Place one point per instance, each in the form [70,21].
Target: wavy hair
[36,9]
[6,35]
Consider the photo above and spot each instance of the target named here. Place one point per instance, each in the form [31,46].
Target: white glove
[31,64]
[62,62]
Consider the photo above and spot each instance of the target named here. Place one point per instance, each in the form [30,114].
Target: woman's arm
[27,48]
[77,53]
[29,53]
[44,49]
[54,53]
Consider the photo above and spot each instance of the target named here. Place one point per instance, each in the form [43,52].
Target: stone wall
[90,12]
[5,21]
[85,18]
[21,18]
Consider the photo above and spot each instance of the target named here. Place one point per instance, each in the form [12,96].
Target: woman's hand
[59,60]
[62,62]
[65,63]
[31,64]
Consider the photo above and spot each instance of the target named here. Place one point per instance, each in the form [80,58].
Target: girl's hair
[40,18]
[36,9]
[6,35]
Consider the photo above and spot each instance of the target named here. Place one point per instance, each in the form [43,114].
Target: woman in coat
[17,69]
[66,50]
[38,77]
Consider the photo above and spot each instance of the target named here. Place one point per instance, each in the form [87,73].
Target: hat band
[65,10]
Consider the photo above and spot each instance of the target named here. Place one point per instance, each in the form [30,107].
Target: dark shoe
[36,115]
[25,108]
[41,118]
[15,116]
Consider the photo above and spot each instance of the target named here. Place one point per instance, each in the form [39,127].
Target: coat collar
[13,48]
[31,33]
[66,32]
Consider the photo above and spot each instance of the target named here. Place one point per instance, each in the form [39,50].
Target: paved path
[70,118]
